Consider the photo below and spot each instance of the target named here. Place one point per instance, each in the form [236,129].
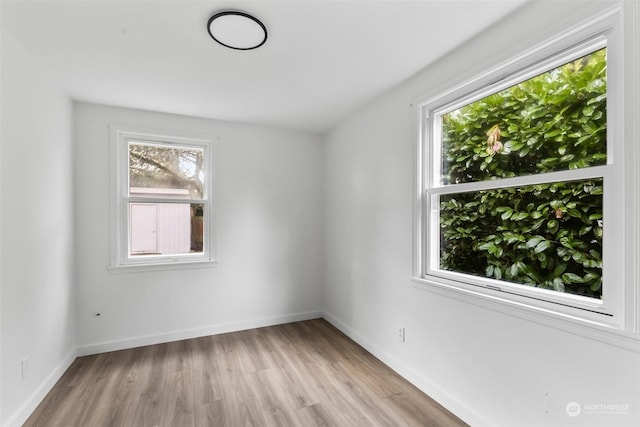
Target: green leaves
[554,121]
[546,235]
[542,246]
[534,241]
[571,278]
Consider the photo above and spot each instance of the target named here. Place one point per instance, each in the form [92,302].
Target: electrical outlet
[401,334]
[24,367]
[546,403]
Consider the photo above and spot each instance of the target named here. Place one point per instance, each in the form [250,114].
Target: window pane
[165,171]
[554,121]
[165,228]
[547,235]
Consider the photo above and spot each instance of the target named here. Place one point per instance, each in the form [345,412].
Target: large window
[161,199]
[521,186]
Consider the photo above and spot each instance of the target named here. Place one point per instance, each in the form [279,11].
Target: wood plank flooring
[299,374]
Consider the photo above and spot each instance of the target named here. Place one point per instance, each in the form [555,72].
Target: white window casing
[613,318]
[124,200]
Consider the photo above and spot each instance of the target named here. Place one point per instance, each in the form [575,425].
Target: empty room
[320,212]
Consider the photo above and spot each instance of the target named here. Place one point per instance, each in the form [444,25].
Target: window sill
[164,266]
[590,329]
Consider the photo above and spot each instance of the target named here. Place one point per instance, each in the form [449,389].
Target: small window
[520,187]
[162,199]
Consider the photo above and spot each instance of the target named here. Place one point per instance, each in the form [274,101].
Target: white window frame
[614,316]
[120,260]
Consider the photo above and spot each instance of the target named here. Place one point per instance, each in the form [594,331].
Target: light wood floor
[299,374]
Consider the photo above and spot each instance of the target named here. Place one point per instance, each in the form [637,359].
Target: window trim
[622,328]
[120,261]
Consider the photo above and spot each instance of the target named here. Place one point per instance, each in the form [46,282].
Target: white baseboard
[30,405]
[434,391]
[85,350]
[27,408]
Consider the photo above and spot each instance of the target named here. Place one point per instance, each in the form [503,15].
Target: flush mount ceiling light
[237,30]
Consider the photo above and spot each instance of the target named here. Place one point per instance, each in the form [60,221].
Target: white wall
[303,226]
[268,207]
[36,274]
[489,368]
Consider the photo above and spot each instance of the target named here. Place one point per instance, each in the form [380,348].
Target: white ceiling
[322,61]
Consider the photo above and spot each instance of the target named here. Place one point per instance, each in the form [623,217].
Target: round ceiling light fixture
[237,30]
